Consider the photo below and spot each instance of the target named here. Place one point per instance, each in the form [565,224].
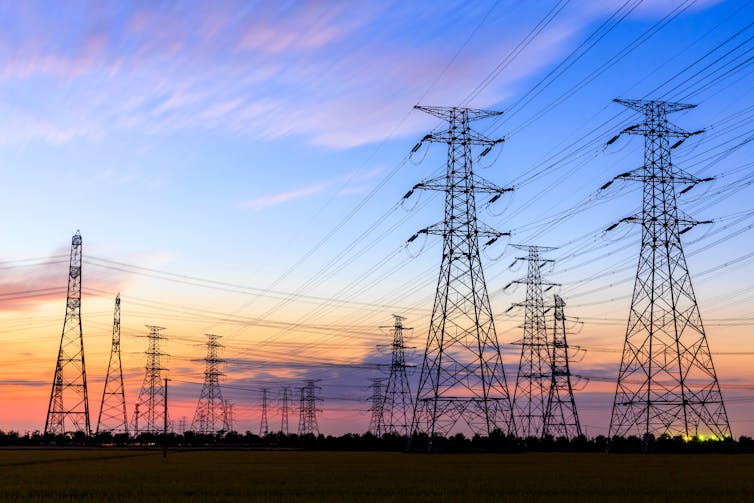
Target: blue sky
[264,144]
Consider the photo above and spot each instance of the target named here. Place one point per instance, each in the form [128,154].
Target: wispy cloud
[349,184]
[336,74]
[283,197]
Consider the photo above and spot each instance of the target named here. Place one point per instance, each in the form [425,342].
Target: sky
[238,168]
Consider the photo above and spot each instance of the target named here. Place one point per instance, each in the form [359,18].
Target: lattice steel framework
[376,422]
[533,376]
[210,416]
[667,381]
[69,399]
[561,416]
[462,376]
[149,414]
[264,426]
[284,411]
[112,411]
[397,401]
[307,424]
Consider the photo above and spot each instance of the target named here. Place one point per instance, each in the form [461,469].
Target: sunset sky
[238,168]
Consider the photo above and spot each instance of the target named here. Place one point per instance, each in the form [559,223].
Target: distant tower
[398,403]
[308,409]
[284,412]
[228,415]
[667,381]
[376,423]
[152,394]
[462,375]
[264,427]
[69,399]
[561,416]
[112,412]
[209,417]
[533,377]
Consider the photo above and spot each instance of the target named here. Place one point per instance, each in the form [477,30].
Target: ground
[104,475]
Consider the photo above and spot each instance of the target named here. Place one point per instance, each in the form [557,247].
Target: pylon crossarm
[483,186]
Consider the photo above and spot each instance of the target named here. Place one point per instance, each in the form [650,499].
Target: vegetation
[368,442]
[104,475]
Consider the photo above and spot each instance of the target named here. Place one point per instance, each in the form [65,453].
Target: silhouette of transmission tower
[112,411]
[561,417]
[534,368]
[376,423]
[152,394]
[307,424]
[397,402]
[210,416]
[462,374]
[667,382]
[69,399]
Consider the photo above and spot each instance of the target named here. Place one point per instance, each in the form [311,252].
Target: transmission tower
[69,399]
[561,416]
[284,412]
[667,381]
[397,405]
[112,411]
[228,415]
[377,422]
[533,377]
[264,428]
[210,417]
[308,409]
[150,407]
[462,374]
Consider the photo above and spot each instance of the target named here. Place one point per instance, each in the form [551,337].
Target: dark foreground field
[119,475]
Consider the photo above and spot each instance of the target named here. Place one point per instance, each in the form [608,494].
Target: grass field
[121,475]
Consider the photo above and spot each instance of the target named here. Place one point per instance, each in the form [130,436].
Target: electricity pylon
[69,399]
[397,401]
[152,394]
[210,417]
[462,374]
[533,376]
[561,416]
[667,382]
[307,424]
[112,411]
[284,412]
[264,427]
[377,422]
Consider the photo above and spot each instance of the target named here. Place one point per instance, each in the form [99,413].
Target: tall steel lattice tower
[462,374]
[307,424]
[561,416]
[210,417]
[264,427]
[112,411]
[376,422]
[69,399]
[397,401]
[533,377]
[149,413]
[284,412]
[667,381]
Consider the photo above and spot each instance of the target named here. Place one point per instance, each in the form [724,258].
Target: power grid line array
[578,247]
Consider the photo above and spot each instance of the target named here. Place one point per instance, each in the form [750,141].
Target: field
[120,475]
